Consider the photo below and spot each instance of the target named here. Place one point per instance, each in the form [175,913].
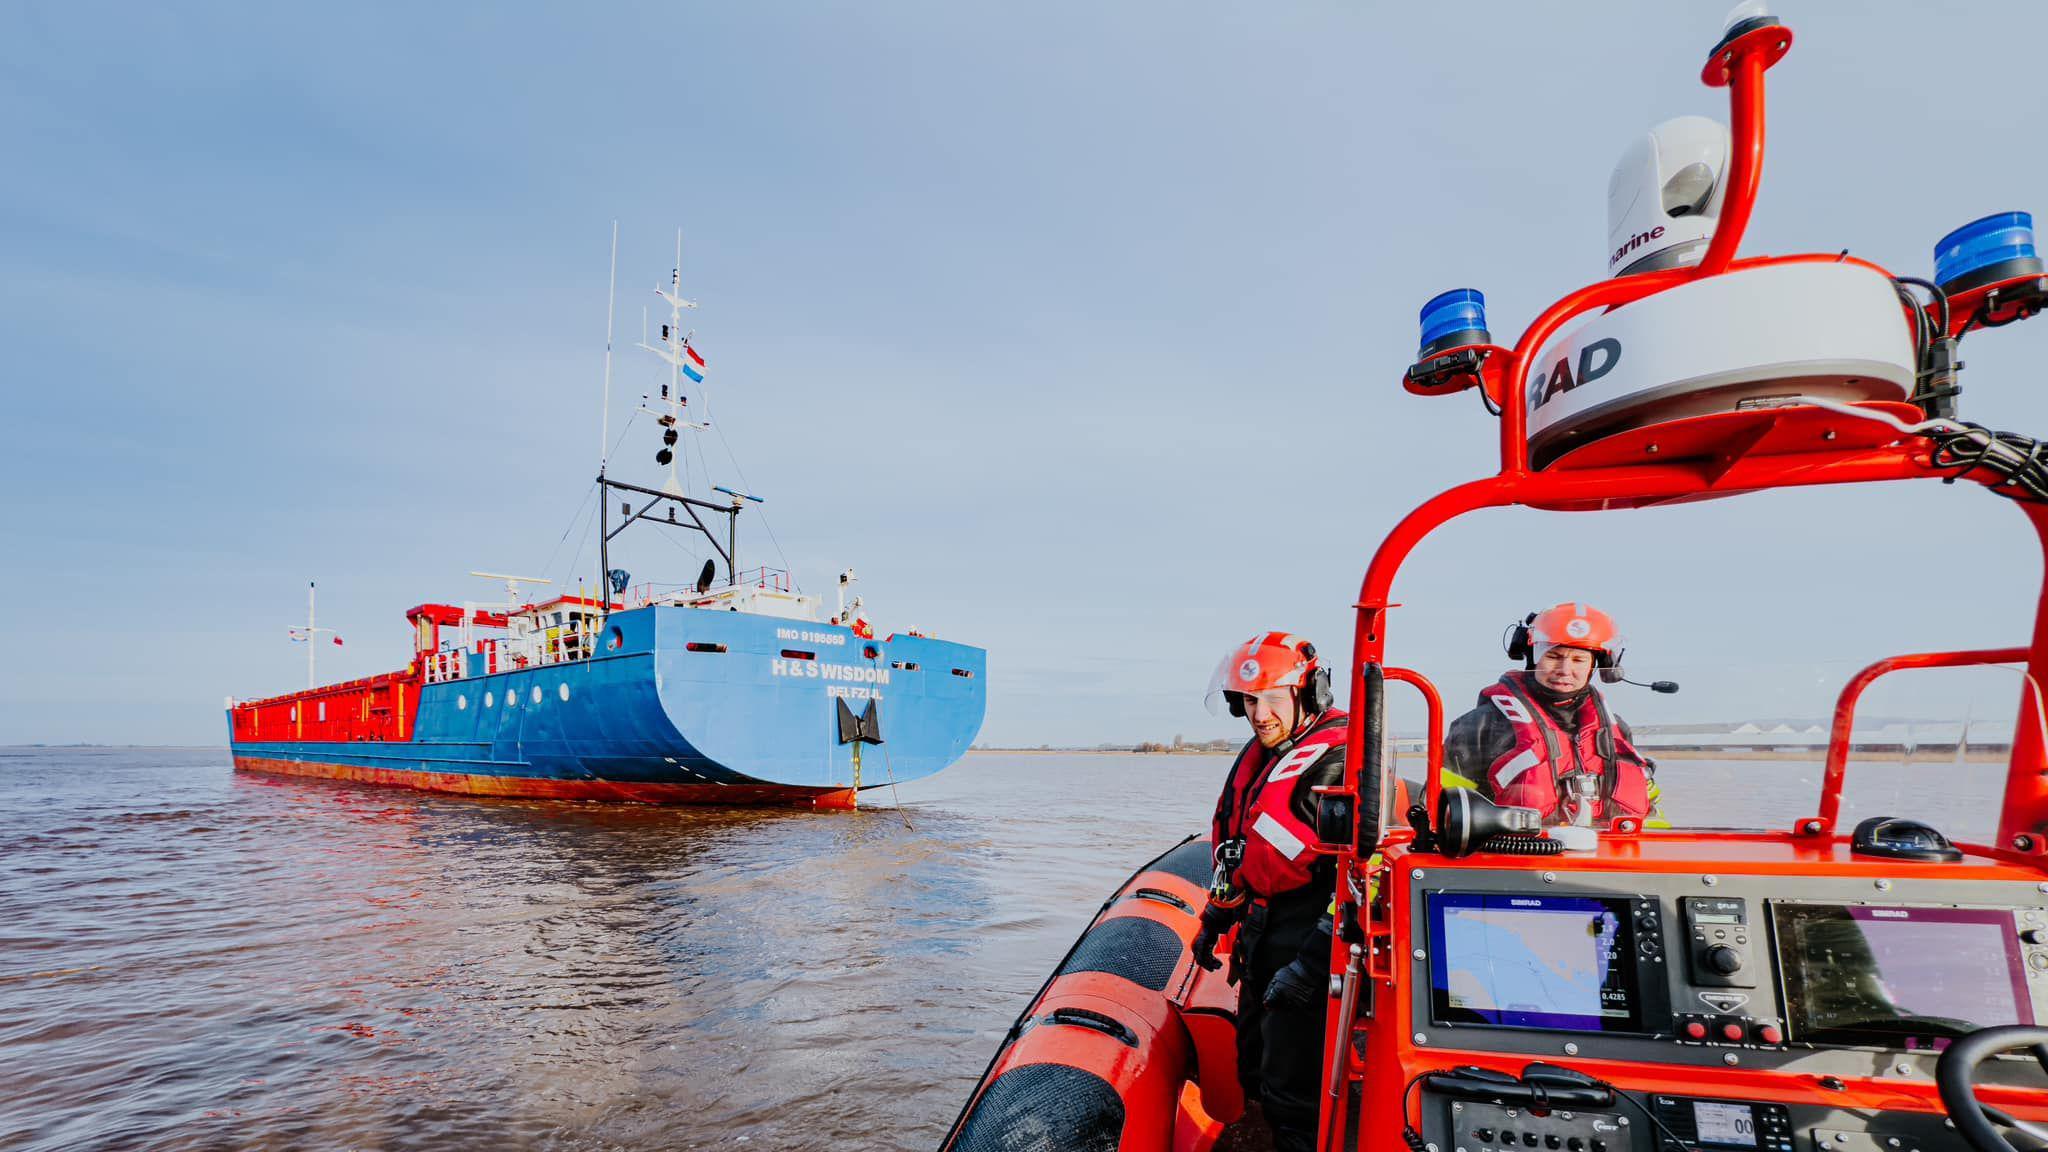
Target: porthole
[565,691]
[511,697]
[536,693]
[461,703]
[490,699]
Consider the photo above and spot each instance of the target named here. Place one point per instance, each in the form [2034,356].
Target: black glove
[1216,920]
[1292,987]
[1297,985]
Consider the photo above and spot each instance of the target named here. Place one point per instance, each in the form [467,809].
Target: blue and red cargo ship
[743,693]
[666,703]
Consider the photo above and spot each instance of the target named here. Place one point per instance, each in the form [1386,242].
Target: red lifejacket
[1257,808]
[1528,775]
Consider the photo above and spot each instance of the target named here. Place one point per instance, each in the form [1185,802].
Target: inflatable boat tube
[1130,1046]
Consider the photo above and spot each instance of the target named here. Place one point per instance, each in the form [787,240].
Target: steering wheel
[1955,1072]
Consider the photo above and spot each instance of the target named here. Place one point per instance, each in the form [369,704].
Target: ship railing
[511,654]
[662,595]
[565,646]
[773,579]
[446,665]
[764,578]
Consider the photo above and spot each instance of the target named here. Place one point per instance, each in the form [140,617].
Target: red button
[1769,1034]
[1694,1030]
[1732,1033]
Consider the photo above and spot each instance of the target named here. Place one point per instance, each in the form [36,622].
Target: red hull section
[531,788]
[379,708]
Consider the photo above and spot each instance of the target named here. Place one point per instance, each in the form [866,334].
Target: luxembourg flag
[693,364]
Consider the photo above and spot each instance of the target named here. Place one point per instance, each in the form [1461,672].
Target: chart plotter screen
[1518,961]
[1898,977]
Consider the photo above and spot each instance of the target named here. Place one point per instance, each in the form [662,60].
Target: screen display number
[1725,1124]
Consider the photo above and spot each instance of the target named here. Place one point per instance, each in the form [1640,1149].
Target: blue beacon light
[1454,320]
[1997,247]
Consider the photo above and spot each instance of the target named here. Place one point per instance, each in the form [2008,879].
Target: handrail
[1434,743]
[773,579]
[1837,766]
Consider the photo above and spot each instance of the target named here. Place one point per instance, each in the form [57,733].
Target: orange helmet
[1270,660]
[1572,625]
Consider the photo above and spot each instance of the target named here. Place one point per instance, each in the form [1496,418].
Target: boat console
[1761,994]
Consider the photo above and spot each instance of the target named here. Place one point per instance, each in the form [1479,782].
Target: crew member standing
[1543,737]
[1269,884]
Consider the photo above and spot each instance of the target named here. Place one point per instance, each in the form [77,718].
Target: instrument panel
[1825,978]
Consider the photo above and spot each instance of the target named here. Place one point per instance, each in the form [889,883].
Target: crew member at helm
[1543,737]
[1268,883]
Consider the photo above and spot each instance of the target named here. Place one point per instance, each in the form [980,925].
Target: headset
[1315,695]
[1521,647]
[1517,641]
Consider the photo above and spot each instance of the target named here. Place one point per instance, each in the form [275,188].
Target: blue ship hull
[676,705]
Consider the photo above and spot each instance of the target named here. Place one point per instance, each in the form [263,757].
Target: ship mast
[604,411]
[310,635]
[669,412]
[674,348]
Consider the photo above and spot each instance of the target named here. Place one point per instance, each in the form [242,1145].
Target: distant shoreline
[1813,755]
[1100,752]
[1933,755]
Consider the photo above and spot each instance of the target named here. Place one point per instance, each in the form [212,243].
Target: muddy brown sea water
[193,958]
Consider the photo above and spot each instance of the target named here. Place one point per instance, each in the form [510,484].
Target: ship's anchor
[865,728]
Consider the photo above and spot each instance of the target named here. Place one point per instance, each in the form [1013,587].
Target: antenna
[512,584]
[674,347]
[604,443]
[611,300]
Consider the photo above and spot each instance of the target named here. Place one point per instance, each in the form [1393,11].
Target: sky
[1076,329]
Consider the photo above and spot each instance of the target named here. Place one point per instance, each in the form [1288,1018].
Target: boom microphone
[1665,686]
